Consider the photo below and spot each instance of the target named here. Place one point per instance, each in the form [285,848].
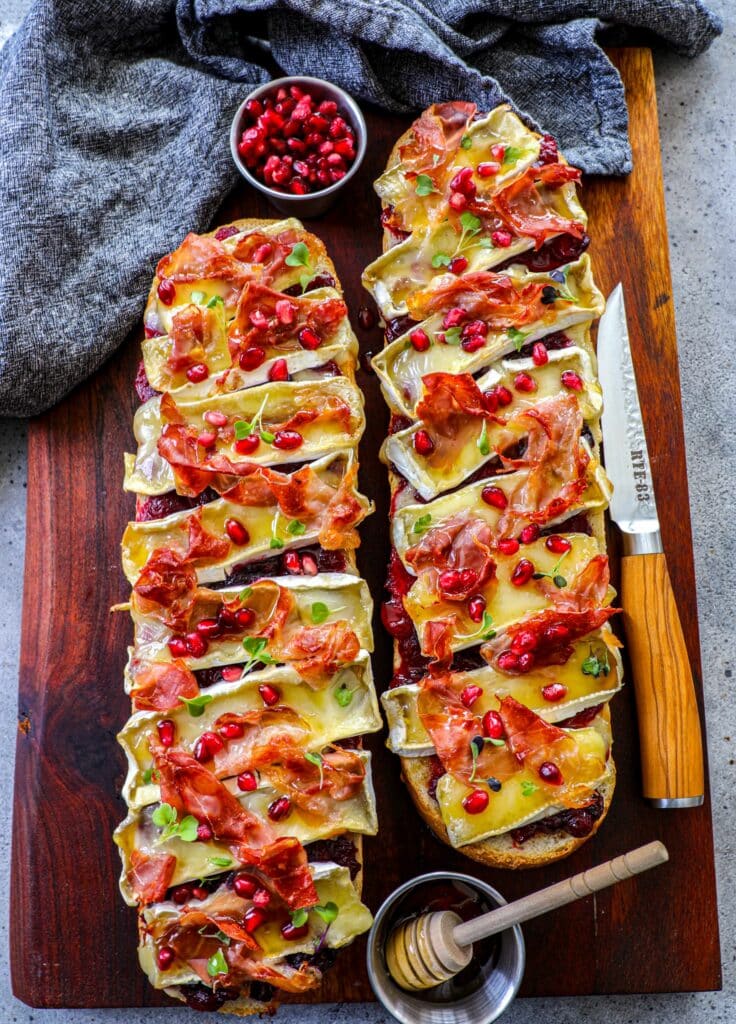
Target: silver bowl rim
[470,880]
[358,124]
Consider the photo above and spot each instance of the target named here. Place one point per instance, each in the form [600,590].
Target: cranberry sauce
[199,997]
[467,903]
[143,387]
[397,622]
[552,342]
[556,252]
[341,850]
[307,561]
[157,506]
[398,326]
[320,281]
[577,822]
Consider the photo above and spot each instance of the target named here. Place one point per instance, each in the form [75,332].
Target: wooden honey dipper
[432,948]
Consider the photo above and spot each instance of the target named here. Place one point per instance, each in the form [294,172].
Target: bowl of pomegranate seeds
[298,140]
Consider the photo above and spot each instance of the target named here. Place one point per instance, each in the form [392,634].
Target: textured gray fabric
[114,120]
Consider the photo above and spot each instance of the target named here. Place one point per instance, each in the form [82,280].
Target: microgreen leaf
[316,759]
[452,336]
[255,646]
[242,429]
[527,787]
[512,154]
[198,297]
[484,243]
[483,443]
[421,525]
[187,829]
[596,666]
[220,862]
[441,259]
[217,964]
[216,300]
[343,696]
[299,917]
[196,705]
[298,257]
[245,594]
[328,912]
[466,142]
[275,542]
[305,280]
[469,221]
[424,185]
[296,528]
[320,611]
[163,815]
[517,337]
[150,775]
[267,437]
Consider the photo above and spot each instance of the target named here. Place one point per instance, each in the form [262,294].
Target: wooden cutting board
[72,939]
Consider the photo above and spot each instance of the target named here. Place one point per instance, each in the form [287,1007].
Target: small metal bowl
[500,978]
[313,204]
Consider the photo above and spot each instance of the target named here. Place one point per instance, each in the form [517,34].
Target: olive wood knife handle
[669,724]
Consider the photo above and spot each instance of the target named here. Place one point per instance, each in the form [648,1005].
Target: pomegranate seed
[247,782]
[208,628]
[252,358]
[199,893]
[197,373]
[476,802]
[476,607]
[247,445]
[502,239]
[523,572]
[201,751]
[285,311]
[292,563]
[206,439]
[279,808]
[499,152]
[453,580]
[494,496]
[232,731]
[366,318]
[420,340]
[204,832]
[474,327]
[524,640]
[253,919]
[554,692]
[526,661]
[488,168]
[165,958]
[328,108]
[279,370]
[215,418]
[500,394]
[292,932]
[152,332]
[236,531]
[457,265]
[308,338]
[231,672]
[178,647]
[165,729]
[261,898]
[213,742]
[453,317]
[470,695]
[556,633]
[259,319]
[338,128]
[309,566]
[457,202]
[572,380]
[507,661]
[523,382]
[529,534]
[262,253]
[244,618]
[166,291]
[492,725]
[245,885]
[269,695]
[254,108]
[345,148]
[196,645]
[423,443]
[473,343]
[549,771]
[182,894]
[288,440]
[558,545]
[463,182]
[297,147]
[540,356]
[509,546]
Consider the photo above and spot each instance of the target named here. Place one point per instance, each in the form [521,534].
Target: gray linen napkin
[114,120]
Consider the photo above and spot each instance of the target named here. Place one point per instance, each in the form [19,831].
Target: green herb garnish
[328,912]
[316,759]
[217,964]
[421,525]
[518,337]
[165,818]
[216,300]
[466,142]
[441,259]
[596,666]
[344,696]
[528,788]
[424,185]
[299,917]
[320,611]
[452,336]
[255,648]
[196,705]
[296,529]
[220,862]
[483,443]
[298,257]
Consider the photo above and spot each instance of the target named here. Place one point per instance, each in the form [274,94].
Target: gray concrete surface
[698,127]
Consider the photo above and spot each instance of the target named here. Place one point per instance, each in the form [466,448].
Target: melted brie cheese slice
[506,603]
[263,523]
[408,266]
[333,885]
[147,472]
[408,737]
[344,596]
[431,475]
[526,797]
[410,521]
[204,859]
[400,368]
[320,713]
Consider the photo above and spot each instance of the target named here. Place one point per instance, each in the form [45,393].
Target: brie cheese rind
[500,127]
[319,718]
[262,522]
[410,521]
[526,797]
[432,474]
[147,472]
[203,859]
[505,603]
[408,737]
[158,315]
[407,267]
[400,368]
[345,597]
[342,348]
[333,885]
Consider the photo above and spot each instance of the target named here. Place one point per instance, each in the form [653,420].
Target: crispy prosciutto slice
[201,257]
[453,410]
[267,253]
[523,209]
[434,139]
[484,295]
[150,875]
[269,320]
[455,557]
[204,546]
[314,788]
[158,685]
[583,593]
[166,588]
[316,652]
[263,732]
[195,331]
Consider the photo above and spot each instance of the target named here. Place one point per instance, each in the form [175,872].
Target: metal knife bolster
[641,539]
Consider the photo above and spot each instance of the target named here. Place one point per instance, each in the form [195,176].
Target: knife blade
[669,722]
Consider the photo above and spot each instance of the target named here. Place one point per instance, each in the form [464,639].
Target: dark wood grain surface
[72,939]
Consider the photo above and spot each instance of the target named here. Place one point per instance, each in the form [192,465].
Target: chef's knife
[669,724]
